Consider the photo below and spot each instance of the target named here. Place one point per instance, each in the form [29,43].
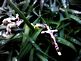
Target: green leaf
[67,43]
[26,32]
[77,19]
[36,21]
[21,14]
[41,4]
[62,26]
[25,36]
[21,3]
[47,49]
[75,41]
[24,51]
[35,34]
[31,55]
[42,58]
[26,47]
[61,32]
[39,49]
[10,56]
[53,7]
[31,7]
[17,36]
[26,5]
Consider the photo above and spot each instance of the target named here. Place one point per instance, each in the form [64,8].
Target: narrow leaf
[39,49]
[67,43]
[31,55]
[26,5]
[42,58]
[21,14]
[75,18]
[28,46]
[75,41]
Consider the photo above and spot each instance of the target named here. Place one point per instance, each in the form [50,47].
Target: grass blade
[31,55]
[67,43]
[42,58]
[21,14]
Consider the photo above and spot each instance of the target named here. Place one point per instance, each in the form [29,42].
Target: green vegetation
[28,44]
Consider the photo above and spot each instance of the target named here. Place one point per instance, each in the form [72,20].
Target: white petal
[59,53]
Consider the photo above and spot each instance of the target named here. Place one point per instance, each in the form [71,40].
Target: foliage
[29,44]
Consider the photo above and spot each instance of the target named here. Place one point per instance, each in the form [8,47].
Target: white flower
[50,32]
[11,22]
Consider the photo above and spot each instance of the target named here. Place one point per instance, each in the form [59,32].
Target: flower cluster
[50,32]
[11,22]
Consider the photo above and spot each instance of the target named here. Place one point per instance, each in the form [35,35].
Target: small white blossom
[50,32]
[11,22]
[14,59]
[59,53]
